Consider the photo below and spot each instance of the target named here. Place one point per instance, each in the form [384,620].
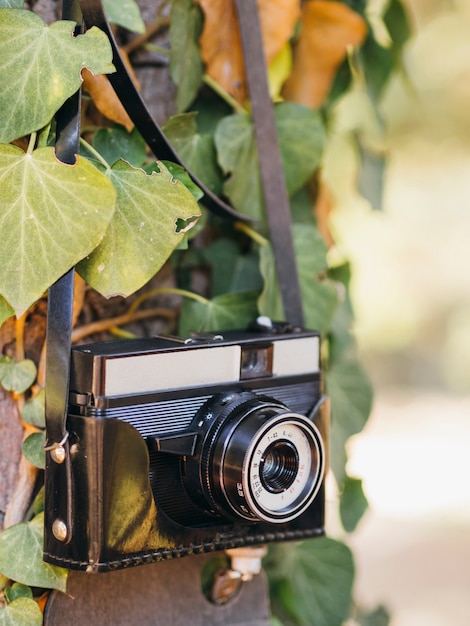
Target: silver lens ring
[270,464]
[283,468]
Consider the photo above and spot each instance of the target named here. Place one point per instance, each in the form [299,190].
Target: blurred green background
[411,293]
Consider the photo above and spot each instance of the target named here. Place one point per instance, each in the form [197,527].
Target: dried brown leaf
[105,98]
[328,30]
[221,45]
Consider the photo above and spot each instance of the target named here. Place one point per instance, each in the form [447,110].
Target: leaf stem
[32,143]
[220,91]
[168,290]
[262,241]
[152,47]
[19,337]
[95,153]
[109,324]
[141,40]
[20,354]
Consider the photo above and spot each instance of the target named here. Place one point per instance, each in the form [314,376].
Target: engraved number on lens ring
[284,470]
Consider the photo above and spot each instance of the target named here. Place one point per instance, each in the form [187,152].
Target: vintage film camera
[179,447]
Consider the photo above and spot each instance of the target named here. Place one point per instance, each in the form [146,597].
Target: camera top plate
[140,366]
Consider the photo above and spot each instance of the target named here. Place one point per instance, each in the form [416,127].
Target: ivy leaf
[232,271]
[301,139]
[238,157]
[311,582]
[51,216]
[33,449]
[17,377]
[34,410]
[21,612]
[125,13]
[196,151]
[40,68]
[318,294]
[17,590]
[225,312]
[186,65]
[351,402]
[38,504]
[377,617]
[180,174]
[143,231]
[112,143]
[353,503]
[5,310]
[21,548]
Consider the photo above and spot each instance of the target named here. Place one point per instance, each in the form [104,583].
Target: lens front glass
[279,466]
[283,468]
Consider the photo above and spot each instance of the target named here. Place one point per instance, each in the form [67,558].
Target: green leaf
[113,143]
[341,342]
[351,402]
[34,410]
[21,612]
[21,549]
[125,13]
[51,216]
[143,231]
[378,617]
[319,295]
[17,590]
[186,65]
[353,503]
[311,582]
[377,65]
[232,270]
[17,377]
[38,504]
[225,312]
[195,150]
[182,175]
[40,68]
[5,310]
[33,449]
[301,139]
[397,20]
[238,157]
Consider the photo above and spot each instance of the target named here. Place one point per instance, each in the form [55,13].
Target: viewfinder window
[257,361]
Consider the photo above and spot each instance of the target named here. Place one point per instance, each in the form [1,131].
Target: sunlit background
[412,298]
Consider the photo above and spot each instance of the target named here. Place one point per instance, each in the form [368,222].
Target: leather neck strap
[60,297]
[124,86]
[59,328]
[272,173]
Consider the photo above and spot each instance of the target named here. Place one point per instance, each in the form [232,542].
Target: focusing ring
[223,476]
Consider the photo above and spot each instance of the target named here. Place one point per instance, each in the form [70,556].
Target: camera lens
[257,460]
[279,467]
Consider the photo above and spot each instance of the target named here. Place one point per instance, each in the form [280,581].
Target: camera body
[178,447]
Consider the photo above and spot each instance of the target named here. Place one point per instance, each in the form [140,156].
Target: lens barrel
[257,460]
